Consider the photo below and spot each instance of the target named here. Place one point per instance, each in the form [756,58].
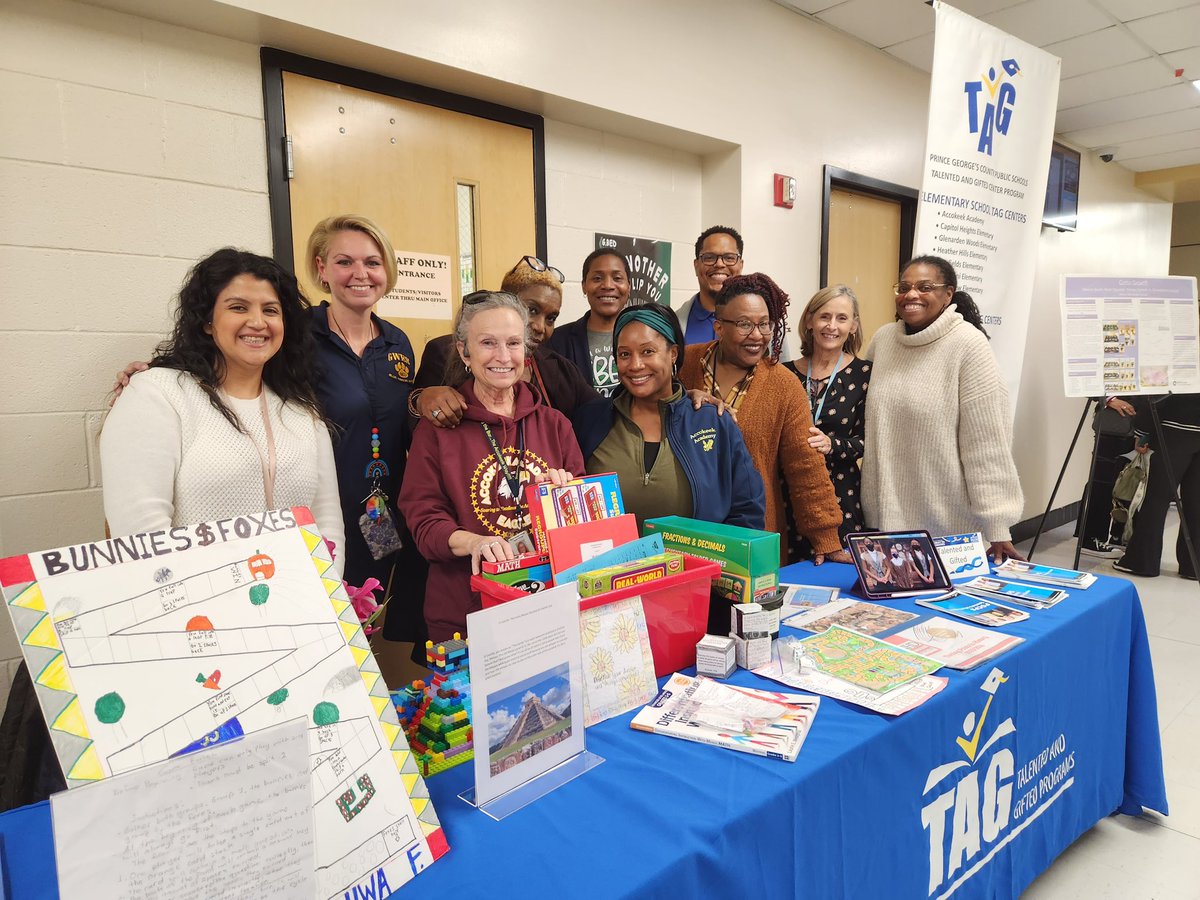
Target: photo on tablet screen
[897,563]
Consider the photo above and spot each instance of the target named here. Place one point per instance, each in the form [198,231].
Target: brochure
[1011,592]
[953,644]
[783,668]
[865,618]
[861,660]
[765,723]
[802,597]
[973,609]
[1026,571]
[963,555]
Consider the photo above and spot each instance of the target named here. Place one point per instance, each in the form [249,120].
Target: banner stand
[535,788]
[1087,491]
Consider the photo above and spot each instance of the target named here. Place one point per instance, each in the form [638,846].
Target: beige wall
[130,147]
[1185,240]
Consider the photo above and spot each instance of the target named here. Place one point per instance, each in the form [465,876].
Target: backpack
[1128,491]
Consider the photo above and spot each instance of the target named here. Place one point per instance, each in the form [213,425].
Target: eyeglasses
[480,296]
[925,287]
[745,326]
[538,266]
[710,259]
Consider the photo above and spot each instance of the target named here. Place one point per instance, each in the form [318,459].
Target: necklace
[357,351]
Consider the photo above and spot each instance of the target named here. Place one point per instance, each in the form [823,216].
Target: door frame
[834,178]
[275,62]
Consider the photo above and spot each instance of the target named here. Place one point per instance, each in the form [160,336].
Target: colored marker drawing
[862,660]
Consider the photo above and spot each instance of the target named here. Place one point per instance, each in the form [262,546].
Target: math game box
[581,500]
[749,559]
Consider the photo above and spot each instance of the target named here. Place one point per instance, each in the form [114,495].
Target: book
[1027,595]
[1027,571]
[973,609]
[765,723]
[585,499]
[953,644]
[896,564]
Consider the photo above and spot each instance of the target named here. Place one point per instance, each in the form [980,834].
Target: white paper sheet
[526,688]
[234,820]
[618,664]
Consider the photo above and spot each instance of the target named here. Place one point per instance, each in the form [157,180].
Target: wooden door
[437,181]
[864,246]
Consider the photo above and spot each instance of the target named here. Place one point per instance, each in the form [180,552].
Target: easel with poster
[1126,335]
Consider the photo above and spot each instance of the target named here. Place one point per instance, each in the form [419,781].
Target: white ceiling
[1119,93]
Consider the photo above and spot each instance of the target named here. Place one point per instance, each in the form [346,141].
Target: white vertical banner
[992,102]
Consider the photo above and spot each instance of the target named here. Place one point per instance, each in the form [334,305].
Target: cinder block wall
[128,150]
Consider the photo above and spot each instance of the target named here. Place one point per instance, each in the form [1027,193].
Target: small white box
[716,656]
[752,652]
[747,619]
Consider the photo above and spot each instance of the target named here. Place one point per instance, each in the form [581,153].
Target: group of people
[258,400]
[896,566]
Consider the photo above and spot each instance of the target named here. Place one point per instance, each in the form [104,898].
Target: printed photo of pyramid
[529,717]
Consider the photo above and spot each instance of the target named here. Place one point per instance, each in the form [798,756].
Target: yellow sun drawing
[631,688]
[589,629]
[602,664]
[625,633]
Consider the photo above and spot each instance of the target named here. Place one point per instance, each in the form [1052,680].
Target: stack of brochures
[1027,571]
[1026,595]
[973,609]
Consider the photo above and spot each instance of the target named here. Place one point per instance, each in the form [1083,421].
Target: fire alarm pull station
[785,191]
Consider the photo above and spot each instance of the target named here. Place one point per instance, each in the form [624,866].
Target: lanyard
[537,374]
[267,459]
[828,384]
[512,478]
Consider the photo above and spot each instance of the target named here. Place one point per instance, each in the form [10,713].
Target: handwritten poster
[618,665]
[150,646]
[229,821]
[422,288]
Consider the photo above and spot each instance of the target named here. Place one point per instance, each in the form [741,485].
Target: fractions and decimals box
[749,559]
[581,500]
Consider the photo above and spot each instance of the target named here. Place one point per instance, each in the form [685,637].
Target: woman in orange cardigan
[742,368]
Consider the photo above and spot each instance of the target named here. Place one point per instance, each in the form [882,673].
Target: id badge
[380,533]
[521,542]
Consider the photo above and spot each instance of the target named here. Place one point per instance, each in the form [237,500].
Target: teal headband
[648,316]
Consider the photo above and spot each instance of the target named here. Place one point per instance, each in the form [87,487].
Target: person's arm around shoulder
[141,447]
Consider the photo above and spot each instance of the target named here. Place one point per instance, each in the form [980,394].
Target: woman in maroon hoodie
[463,493]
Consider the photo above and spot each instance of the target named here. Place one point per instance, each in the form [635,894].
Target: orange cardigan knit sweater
[775,417]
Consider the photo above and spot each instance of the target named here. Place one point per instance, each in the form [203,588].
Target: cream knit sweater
[938,449]
[169,458]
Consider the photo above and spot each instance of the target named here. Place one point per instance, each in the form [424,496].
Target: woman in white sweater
[938,451]
[225,421]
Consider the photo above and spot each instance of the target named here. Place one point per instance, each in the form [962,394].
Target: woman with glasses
[835,381]
[463,493]
[938,451]
[742,368]
[559,383]
[587,342]
[674,457]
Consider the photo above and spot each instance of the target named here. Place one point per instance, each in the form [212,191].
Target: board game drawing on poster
[146,647]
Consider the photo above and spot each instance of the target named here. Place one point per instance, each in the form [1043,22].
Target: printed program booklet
[973,609]
[952,643]
[1027,571]
[765,723]
[1027,595]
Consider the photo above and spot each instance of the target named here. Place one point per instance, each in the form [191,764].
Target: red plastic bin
[676,609]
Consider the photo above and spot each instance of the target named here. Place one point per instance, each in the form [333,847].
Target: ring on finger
[437,413]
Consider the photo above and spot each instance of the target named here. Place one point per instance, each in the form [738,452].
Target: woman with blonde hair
[836,381]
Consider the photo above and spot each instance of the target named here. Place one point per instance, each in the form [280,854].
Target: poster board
[1129,335]
[649,266]
[145,647]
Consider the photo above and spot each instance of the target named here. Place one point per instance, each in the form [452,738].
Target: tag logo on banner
[969,822]
[987,114]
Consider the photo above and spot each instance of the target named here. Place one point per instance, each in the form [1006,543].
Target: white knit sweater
[938,449]
[169,458]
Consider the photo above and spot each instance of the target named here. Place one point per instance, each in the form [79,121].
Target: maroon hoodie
[452,482]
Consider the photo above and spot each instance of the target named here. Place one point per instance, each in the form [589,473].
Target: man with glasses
[718,257]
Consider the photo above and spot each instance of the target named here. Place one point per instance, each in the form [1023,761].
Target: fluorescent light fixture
[1196,84]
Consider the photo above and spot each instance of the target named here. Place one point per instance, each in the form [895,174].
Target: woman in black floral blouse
[836,381]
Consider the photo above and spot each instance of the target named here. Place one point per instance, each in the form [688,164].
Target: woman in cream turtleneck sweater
[938,452]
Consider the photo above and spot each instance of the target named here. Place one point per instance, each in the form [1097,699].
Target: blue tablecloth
[874,806]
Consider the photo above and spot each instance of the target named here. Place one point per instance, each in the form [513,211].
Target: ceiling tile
[1165,161]
[1042,22]
[1147,103]
[808,6]
[1096,50]
[1156,146]
[880,23]
[1128,10]
[1188,60]
[917,52]
[980,8]
[1169,31]
[1135,129]
[1130,78]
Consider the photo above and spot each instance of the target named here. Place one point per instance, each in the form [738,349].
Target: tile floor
[1152,856]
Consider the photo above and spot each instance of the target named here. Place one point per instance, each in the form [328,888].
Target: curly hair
[522,275]
[963,302]
[191,348]
[772,294]
[819,299]
[318,246]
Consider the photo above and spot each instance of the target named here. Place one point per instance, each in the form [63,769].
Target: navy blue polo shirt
[358,394]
